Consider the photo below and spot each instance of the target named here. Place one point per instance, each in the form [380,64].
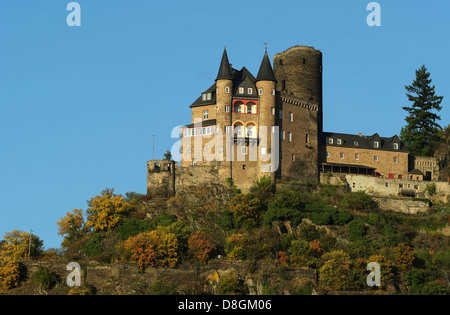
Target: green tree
[422,133]
[168,155]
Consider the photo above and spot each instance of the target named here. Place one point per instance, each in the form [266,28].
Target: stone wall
[387,186]
[402,204]
[126,279]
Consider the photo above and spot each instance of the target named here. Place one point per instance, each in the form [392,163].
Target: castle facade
[245,127]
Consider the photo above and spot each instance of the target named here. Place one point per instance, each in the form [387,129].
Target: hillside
[211,239]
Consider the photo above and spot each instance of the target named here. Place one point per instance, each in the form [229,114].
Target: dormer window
[208,96]
[330,140]
[395,146]
[241,90]
[204,97]
[376,144]
[249,91]
[339,141]
[356,144]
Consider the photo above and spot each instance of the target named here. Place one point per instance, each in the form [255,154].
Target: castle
[245,127]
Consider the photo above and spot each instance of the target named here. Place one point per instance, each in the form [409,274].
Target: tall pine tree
[422,133]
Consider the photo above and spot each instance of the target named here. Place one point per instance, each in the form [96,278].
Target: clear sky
[79,105]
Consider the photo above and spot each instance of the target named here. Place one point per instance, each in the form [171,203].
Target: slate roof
[265,72]
[241,78]
[363,142]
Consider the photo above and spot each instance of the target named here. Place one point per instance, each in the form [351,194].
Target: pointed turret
[265,71]
[224,69]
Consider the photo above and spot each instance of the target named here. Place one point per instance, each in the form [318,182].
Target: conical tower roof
[265,70]
[224,69]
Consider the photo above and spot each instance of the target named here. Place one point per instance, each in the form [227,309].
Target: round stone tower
[299,72]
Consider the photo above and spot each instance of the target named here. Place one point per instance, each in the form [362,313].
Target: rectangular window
[227,89]
[249,91]
[273,91]
[204,97]
[205,114]
[249,109]
[375,158]
[341,155]
[260,91]
[395,159]
[208,96]
[356,156]
[241,90]
[307,138]
[280,114]
[376,144]
[395,146]
[289,136]
[328,155]
[291,116]
[339,141]
[227,129]
[227,108]
[330,140]
[272,110]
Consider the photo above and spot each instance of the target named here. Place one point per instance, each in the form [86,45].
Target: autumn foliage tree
[18,244]
[200,246]
[72,227]
[154,248]
[105,211]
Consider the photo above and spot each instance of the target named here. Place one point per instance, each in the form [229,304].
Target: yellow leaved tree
[105,211]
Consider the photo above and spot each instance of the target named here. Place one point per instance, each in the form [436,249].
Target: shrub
[442,259]
[357,201]
[414,279]
[160,287]
[9,274]
[431,189]
[246,210]
[286,206]
[356,230]
[132,227]
[230,284]
[45,278]
[154,248]
[93,248]
[336,270]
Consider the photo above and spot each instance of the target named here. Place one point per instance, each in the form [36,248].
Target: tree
[422,134]
[168,155]
[335,272]
[71,227]
[201,246]
[18,244]
[154,248]
[105,211]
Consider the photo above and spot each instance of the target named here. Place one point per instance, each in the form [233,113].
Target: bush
[132,227]
[442,259]
[286,206]
[45,278]
[357,201]
[431,189]
[356,230]
[160,287]
[230,284]
[93,248]
[10,271]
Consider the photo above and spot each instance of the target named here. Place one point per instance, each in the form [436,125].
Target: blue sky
[79,105]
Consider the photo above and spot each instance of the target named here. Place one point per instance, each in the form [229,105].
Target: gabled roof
[265,72]
[363,142]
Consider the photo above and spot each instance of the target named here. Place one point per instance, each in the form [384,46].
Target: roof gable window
[395,146]
[376,144]
[241,90]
